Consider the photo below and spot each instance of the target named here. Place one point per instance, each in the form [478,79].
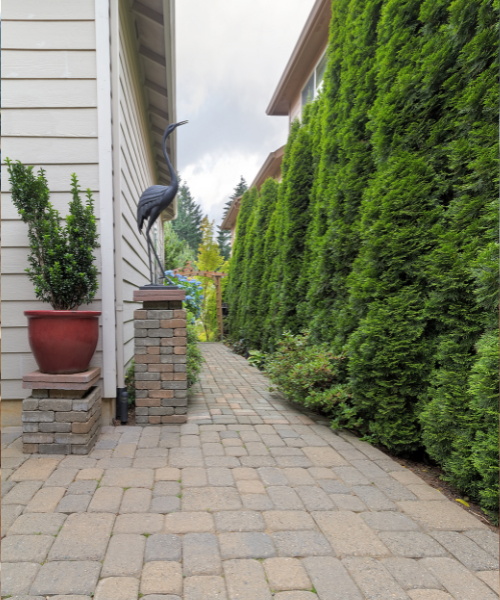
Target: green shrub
[194,358]
[306,374]
[130,382]
[62,259]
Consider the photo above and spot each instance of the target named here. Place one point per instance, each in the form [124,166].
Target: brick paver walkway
[251,500]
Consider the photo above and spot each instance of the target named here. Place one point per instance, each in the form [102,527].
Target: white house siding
[49,120]
[135,171]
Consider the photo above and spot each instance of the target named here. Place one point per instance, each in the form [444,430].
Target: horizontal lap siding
[137,173]
[49,100]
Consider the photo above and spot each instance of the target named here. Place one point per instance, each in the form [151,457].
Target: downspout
[117,233]
[105,196]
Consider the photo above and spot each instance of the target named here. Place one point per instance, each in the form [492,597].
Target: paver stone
[245,580]
[124,556]
[161,578]
[18,577]
[83,537]
[117,588]
[66,577]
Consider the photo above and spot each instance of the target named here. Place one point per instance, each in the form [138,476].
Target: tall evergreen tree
[189,216]
[223,236]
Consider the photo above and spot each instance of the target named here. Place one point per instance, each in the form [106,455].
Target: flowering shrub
[193,289]
[307,374]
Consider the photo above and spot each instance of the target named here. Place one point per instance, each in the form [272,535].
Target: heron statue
[154,200]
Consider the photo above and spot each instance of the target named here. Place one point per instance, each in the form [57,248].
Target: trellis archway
[216,276]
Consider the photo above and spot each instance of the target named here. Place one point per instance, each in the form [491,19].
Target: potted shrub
[62,269]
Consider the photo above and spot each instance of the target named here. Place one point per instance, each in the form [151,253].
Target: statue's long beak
[182,123]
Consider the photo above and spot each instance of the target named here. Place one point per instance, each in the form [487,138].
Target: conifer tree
[187,225]
[236,282]
[177,251]
[256,311]
[223,236]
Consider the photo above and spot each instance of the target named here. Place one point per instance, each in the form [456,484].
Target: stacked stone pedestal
[160,360]
[60,420]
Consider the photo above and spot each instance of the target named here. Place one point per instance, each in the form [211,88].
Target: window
[315,82]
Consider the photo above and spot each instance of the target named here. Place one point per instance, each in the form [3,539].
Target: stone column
[62,415]
[160,357]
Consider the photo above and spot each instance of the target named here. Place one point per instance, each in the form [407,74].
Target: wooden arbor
[216,276]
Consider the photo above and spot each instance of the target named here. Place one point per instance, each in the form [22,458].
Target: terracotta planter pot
[63,341]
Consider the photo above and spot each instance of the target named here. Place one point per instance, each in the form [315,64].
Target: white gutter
[105,196]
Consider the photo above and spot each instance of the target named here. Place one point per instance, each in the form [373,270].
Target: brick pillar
[62,415]
[160,358]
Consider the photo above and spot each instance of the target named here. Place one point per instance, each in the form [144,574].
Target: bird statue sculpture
[154,201]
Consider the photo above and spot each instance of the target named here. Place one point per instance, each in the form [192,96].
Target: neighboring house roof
[312,40]
[154,32]
[270,168]
[232,214]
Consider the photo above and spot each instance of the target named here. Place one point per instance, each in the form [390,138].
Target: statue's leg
[149,258]
[162,276]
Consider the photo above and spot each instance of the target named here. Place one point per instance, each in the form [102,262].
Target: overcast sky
[230,57]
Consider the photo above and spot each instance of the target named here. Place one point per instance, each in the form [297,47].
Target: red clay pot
[63,341]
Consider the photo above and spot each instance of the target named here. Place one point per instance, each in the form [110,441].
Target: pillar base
[160,358]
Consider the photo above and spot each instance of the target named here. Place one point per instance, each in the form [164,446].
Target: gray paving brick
[200,554]
[245,580]
[136,500]
[254,462]
[246,545]
[330,579]
[457,580]
[161,580]
[485,539]
[163,547]
[389,521]
[194,477]
[66,578]
[348,534]
[332,486]
[73,504]
[124,556]
[26,548]
[83,537]
[374,579]
[272,476]
[466,551]
[256,502]
[36,524]
[411,544]
[298,476]
[347,502]
[295,595]
[285,498]
[239,521]
[373,498]
[314,498]
[440,515]
[394,490]
[21,493]
[106,500]
[165,504]
[166,488]
[410,574]
[139,523]
[185,457]
[204,588]
[277,520]
[210,498]
[351,476]
[18,577]
[117,588]
[220,476]
[301,544]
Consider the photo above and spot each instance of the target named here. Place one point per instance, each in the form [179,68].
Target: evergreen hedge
[382,236]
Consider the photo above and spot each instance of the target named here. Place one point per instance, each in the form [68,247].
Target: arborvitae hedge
[383,237]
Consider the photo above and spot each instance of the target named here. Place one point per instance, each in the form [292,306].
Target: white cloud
[230,56]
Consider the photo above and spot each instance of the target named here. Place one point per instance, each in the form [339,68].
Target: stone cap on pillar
[70,381]
[158,295]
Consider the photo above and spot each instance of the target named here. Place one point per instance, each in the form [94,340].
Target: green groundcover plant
[381,237]
[62,266]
